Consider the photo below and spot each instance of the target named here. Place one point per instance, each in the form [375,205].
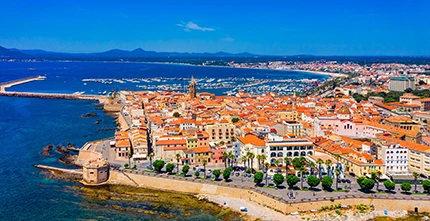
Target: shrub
[332,199]
[406,187]
[226,174]
[426,185]
[158,165]
[134,167]
[258,177]
[313,181]
[360,179]
[185,169]
[389,185]
[170,167]
[327,182]
[278,179]
[216,173]
[126,165]
[292,180]
[197,174]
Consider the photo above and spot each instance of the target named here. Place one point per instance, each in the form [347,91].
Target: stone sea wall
[183,186]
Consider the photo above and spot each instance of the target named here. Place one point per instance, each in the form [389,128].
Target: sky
[284,27]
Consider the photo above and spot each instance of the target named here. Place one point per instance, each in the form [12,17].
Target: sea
[29,124]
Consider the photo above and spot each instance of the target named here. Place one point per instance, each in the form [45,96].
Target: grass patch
[148,171]
[270,187]
[381,192]
[339,191]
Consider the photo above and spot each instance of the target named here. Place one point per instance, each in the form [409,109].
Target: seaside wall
[122,123]
[183,186]
[113,107]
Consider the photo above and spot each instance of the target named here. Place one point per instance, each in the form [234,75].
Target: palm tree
[244,158]
[204,167]
[251,157]
[178,157]
[287,162]
[129,158]
[302,170]
[311,165]
[337,172]
[248,156]
[266,165]
[277,162]
[320,162]
[328,163]
[258,157]
[151,155]
[378,175]
[231,157]
[225,157]
[416,176]
[263,158]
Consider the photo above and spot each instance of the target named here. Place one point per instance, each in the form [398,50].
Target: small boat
[294,213]
[85,83]
[243,209]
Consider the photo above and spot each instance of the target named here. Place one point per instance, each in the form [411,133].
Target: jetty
[61,170]
[53,95]
[4,85]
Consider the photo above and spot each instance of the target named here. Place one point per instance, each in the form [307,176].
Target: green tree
[258,177]
[426,185]
[235,119]
[170,167]
[185,170]
[406,187]
[313,181]
[126,166]
[360,179]
[421,82]
[326,182]
[299,163]
[226,174]
[292,180]
[416,176]
[278,179]
[375,176]
[197,174]
[158,165]
[231,157]
[176,114]
[216,173]
[408,90]
[367,184]
[389,185]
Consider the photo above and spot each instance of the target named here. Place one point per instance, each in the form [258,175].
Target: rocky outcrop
[68,159]
[46,151]
[90,114]
[98,121]
[61,149]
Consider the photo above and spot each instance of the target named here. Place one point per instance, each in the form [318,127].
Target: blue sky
[377,27]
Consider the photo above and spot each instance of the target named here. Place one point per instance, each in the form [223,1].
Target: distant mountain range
[112,54]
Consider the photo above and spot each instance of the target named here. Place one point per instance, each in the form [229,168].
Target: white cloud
[189,26]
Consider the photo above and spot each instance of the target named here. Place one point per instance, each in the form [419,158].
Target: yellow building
[221,131]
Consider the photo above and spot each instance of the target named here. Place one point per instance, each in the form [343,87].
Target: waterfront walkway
[282,194]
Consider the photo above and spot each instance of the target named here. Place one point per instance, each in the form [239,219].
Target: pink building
[217,154]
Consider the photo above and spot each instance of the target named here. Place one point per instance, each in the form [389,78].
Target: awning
[139,156]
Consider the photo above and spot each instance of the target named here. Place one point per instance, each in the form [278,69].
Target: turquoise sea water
[28,124]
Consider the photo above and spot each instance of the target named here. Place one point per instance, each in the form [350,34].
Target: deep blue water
[66,77]
[28,124]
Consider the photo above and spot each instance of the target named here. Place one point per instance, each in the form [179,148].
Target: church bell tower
[192,90]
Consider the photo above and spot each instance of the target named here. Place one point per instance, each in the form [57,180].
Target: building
[250,143]
[192,89]
[221,131]
[279,147]
[95,171]
[401,83]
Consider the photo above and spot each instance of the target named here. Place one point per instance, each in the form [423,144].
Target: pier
[4,85]
[61,170]
[53,96]
[8,84]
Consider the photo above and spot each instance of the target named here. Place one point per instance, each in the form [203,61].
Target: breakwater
[53,96]
[8,84]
